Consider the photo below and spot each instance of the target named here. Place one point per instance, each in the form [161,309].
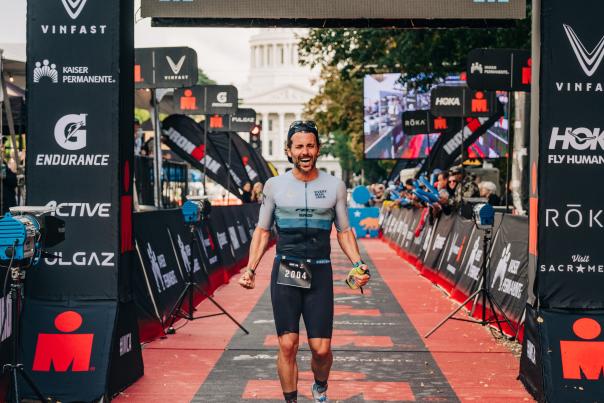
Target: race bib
[294,274]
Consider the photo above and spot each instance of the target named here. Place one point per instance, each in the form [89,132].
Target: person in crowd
[257,192]
[304,203]
[138,138]
[443,179]
[246,196]
[452,185]
[379,195]
[488,190]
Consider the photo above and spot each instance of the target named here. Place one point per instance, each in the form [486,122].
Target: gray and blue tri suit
[304,213]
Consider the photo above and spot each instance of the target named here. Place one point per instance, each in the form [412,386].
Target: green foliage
[422,56]
[203,79]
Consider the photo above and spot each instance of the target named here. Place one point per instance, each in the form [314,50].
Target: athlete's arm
[346,238]
[260,237]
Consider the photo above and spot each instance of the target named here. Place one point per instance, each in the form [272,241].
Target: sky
[223,53]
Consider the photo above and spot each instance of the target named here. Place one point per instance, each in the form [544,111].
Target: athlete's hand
[362,279]
[247,279]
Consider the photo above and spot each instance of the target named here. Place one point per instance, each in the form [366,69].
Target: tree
[203,79]
[422,56]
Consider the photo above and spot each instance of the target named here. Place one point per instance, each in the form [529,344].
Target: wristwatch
[251,271]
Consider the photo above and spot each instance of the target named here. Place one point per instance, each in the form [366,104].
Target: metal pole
[510,157]
[10,122]
[157,157]
[205,152]
[229,168]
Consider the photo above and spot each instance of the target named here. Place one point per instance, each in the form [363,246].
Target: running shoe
[320,397]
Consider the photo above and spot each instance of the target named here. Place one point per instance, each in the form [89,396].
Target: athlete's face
[304,151]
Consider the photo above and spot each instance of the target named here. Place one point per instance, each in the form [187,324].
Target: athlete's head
[303,145]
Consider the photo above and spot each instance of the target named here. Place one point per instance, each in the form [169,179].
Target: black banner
[439,242]
[457,247]
[189,100]
[243,120]
[185,137]
[165,67]
[224,230]
[230,156]
[508,274]
[499,69]
[481,103]
[448,146]
[255,166]
[448,101]
[416,122]
[570,354]
[218,123]
[570,265]
[221,99]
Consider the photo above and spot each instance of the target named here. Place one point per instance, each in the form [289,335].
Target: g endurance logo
[70,133]
[222,100]
[589,61]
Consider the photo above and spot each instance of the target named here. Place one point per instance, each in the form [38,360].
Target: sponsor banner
[570,261]
[448,101]
[508,271]
[365,221]
[218,123]
[457,247]
[226,237]
[481,103]
[531,374]
[68,347]
[221,99]
[416,122]
[439,242]
[243,120]
[336,10]
[499,69]
[157,238]
[189,100]
[185,137]
[230,158]
[165,67]
[256,167]
[568,354]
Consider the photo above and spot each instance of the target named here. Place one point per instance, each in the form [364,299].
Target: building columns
[282,130]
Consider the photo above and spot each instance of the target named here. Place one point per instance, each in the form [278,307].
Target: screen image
[385,100]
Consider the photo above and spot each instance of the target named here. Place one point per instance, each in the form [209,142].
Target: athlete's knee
[288,345]
[322,353]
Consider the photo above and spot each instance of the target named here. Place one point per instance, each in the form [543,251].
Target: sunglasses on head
[309,123]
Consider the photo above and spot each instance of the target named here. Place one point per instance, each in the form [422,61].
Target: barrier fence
[449,253]
[166,255]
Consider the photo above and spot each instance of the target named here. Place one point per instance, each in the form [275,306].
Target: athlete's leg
[322,358]
[286,362]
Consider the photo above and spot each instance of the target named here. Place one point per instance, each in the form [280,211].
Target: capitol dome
[278,88]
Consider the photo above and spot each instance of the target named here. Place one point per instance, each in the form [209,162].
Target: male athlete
[304,203]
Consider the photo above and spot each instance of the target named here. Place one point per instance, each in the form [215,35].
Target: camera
[25,231]
[484,216]
[196,209]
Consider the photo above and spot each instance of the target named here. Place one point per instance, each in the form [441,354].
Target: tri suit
[304,213]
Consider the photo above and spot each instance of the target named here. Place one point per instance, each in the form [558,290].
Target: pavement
[380,354]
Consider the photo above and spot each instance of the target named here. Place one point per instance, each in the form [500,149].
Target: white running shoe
[320,397]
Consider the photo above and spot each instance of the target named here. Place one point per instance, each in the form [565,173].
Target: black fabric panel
[457,244]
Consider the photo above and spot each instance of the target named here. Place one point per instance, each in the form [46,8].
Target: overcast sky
[223,53]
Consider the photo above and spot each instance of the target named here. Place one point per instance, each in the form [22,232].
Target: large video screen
[385,100]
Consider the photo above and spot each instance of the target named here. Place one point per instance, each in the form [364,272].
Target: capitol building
[278,88]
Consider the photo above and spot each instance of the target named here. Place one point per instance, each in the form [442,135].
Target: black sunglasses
[309,123]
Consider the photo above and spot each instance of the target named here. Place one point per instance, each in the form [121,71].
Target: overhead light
[11,78]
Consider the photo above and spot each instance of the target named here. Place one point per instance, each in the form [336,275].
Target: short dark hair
[445,174]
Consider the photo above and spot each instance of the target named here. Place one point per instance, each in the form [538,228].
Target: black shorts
[314,304]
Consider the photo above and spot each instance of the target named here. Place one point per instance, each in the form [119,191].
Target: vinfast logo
[577,139]
[64,351]
[82,259]
[589,60]
[448,101]
[176,67]
[70,132]
[74,7]
[88,210]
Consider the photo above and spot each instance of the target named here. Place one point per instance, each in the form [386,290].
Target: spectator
[257,192]
[9,185]
[246,196]
[489,191]
[442,182]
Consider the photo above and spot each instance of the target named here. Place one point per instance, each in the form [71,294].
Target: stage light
[25,231]
[196,209]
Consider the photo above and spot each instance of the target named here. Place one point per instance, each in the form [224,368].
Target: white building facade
[278,88]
